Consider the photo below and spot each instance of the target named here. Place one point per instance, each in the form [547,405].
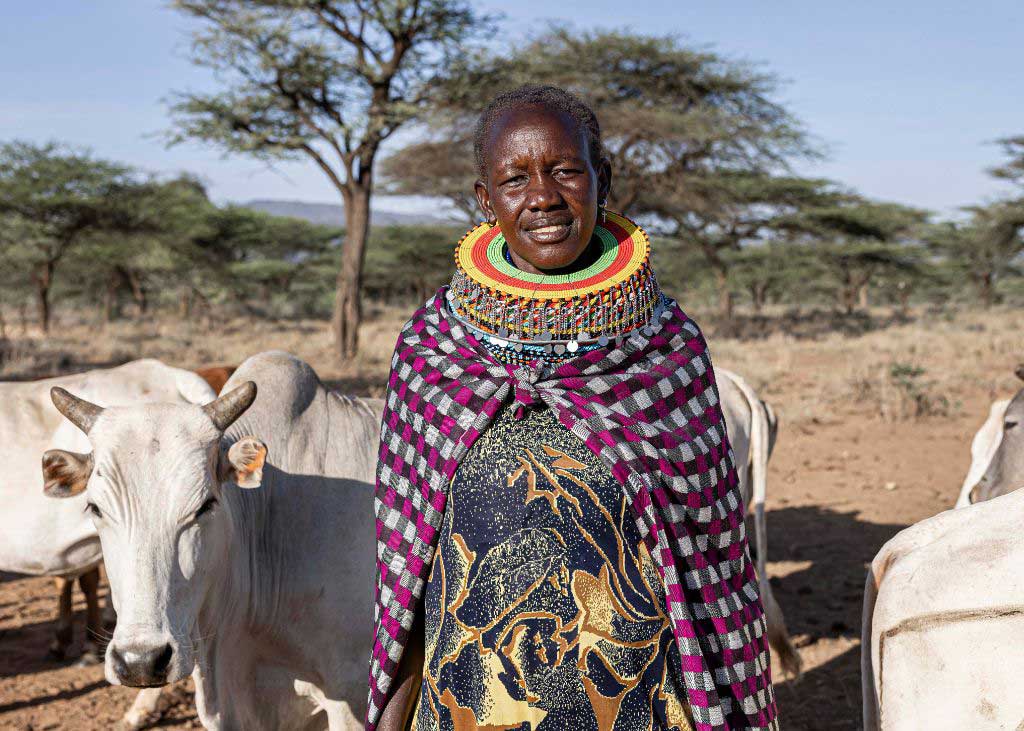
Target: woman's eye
[566,172]
[92,508]
[206,507]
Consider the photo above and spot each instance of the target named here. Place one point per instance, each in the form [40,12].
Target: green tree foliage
[54,199]
[1013,168]
[984,250]
[327,80]
[987,248]
[718,211]
[266,262]
[441,168]
[858,240]
[142,261]
[776,270]
[410,262]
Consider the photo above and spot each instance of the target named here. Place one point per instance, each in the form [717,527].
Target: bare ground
[863,452]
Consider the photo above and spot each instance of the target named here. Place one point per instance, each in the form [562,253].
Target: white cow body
[751,425]
[264,595]
[943,611]
[42,537]
[983,448]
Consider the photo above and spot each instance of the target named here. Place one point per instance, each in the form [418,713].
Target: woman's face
[541,187]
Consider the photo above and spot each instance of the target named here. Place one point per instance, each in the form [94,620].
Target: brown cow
[216,376]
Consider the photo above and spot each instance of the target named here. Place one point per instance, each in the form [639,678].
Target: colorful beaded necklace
[523,316]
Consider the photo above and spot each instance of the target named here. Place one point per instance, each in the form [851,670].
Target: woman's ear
[483,200]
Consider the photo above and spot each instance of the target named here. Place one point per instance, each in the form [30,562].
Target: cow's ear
[65,474]
[243,464]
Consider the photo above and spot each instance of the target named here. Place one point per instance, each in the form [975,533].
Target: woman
[560,533]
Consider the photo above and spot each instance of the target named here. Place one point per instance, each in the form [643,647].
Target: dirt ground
[861,454]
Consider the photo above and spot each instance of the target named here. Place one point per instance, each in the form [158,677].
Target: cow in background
[997,452]
[753,428]
[216,376]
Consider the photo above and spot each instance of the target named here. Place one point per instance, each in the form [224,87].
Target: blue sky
[907,95]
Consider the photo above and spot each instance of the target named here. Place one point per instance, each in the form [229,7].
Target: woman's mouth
[550,234]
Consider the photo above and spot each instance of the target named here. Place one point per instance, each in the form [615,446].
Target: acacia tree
[990,245]
[984,249]
[857,240]
[327,80]
[767,270]
[57,198]
[139,261]
[257,258]
[682,127]
[717,211]
[436,167]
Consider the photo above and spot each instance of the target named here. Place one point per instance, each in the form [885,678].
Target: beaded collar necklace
[526,316]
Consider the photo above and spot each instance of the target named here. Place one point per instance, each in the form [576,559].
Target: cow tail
[761,443]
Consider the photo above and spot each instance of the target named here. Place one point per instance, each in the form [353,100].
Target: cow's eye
[94,509]
[1009,425]
[206,507]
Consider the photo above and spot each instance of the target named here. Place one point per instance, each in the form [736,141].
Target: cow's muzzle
[141,665]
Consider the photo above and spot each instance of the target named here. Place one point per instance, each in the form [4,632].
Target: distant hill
[330,214]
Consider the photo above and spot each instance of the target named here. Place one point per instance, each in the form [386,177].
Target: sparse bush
[915,395]
[900,391]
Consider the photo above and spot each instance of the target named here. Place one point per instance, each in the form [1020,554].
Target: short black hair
[536,95]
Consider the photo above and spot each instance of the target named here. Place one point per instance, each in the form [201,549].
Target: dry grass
[926,366]
[191,344]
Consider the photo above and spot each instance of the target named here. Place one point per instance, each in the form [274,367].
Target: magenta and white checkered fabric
[649,410]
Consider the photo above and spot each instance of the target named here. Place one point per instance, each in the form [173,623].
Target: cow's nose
[141,665]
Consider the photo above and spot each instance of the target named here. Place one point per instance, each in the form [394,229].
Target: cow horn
[78,411]
[231,405]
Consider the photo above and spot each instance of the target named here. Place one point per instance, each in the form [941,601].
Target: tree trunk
[862,295]
[759,295]
[185,304]
[110,309]
[903,290]
[725,300]
[44,280]
[847,297]
[987,290]
[347,302]
[138,291]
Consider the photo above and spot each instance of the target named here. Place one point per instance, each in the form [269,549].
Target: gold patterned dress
[543,610]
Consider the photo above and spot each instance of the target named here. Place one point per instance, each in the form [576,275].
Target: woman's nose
[542,193]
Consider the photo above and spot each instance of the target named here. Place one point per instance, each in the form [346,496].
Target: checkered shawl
[649,409]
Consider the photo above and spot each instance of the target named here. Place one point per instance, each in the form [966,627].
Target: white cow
[752,430]
[43,539]
[983,449]
[239,543]
[943,614]
[990,474]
